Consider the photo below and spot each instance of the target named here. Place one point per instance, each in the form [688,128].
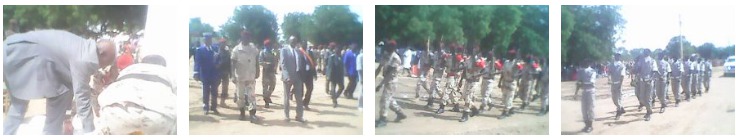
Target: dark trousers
[337,88]
[225,82]
[309,84]
[352,82]
[209,94]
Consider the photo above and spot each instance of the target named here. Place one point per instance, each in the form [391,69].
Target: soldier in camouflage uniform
[269,61]
[390,66]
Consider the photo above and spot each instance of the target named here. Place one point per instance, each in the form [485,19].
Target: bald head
[105,52]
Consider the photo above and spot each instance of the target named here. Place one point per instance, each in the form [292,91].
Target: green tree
[85,20]
[335,23]
[588,32]
[256,19]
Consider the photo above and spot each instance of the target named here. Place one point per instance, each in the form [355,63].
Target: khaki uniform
[508,84]
[586,81]
[245,71]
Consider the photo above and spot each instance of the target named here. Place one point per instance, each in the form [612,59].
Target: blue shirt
[349,61]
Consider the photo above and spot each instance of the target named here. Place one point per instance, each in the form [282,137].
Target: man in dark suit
[309,72]
[290,66]
[205,70]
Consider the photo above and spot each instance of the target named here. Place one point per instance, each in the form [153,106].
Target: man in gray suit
[56,66]
[290,65]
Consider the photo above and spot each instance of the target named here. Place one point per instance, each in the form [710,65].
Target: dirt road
[322,119]
[423,121]
[713,113]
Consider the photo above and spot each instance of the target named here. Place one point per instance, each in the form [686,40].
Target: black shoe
[677,103]
[543,111]
[206,112]
[334,103]
[441,109]
[474,111]
[511,112]
[253,117]
[490,106]
[464,117]
[661,110]
[588,127]
[242,114]
[648,116]
[214,111]
[523,106]
[381,122]
[301,120]
[267,105]
[430,103]
[640,107]
[504,114]
[456,108]
[399,116]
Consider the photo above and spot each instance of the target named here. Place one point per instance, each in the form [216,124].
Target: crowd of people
[457,67]
[300,63]
[651,79]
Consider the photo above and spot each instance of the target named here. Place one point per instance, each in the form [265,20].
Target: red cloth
[124,60]
[499,65]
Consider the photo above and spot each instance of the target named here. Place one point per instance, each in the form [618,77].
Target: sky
[652,26]
[218,15]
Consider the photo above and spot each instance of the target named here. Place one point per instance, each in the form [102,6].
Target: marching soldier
[646,70]
[675,76]
[661,81]
[390,66]
[509,75]
[707,73]
[268,60]
[586,81]
[694,75]
[527,82]
[618,71]
[544,85]
[451,88]
[439,65]
[472,75]
[245,71]
[489,74]
[424,66]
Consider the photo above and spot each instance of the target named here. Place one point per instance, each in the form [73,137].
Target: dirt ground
[711,114]
[525,122]
[322,119]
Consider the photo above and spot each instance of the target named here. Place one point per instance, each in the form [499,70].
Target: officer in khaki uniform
[675,76]
[646,70]
[390,66]
[694,75]
[586,81]
[618,71]
[661,80]
[245,71]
